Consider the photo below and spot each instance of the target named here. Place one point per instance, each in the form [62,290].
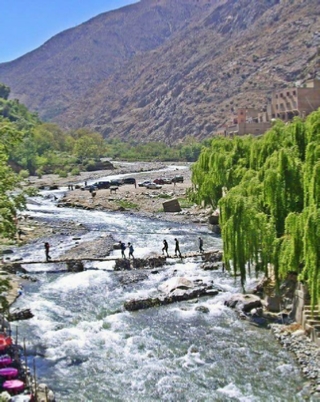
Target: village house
[285,104]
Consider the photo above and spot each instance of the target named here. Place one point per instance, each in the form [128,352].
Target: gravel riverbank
[307,353]
[130,198]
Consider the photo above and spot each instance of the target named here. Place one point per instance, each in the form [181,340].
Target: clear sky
[27,24]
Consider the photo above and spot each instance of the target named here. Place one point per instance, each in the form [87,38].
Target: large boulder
[244,303]
[171,206]
[174,290]
[175,284]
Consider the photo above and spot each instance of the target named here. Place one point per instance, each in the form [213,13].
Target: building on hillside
[247,115]
[285,104]
[296,101]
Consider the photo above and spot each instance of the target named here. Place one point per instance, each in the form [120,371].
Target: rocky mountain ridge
[189,80]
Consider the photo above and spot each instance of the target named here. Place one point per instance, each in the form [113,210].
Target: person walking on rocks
[201,245]
[177,248]
[165,247]
[47,250]
[122,248]
[131,250]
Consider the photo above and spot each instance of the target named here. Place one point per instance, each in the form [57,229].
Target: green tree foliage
[4,91]
[9,202]
[88,145]
[189,150]
[268,191]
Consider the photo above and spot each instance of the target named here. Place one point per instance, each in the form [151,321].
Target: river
[88,348]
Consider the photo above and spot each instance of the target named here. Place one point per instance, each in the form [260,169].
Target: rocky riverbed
[294,338]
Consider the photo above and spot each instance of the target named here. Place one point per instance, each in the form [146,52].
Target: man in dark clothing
[130,250]
[122,248]
[177,248]
[165,247]
[201,245]
[47,249]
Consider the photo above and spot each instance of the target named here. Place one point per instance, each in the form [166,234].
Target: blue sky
[27,24]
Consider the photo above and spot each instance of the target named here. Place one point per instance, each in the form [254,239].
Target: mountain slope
[183,70]
[69,64]
[233,57]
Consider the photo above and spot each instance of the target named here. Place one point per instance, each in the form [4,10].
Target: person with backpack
[131,250]
[177,248]
[122,248]
[165,247]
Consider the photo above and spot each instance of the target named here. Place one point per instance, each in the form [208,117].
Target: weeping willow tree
[268,191]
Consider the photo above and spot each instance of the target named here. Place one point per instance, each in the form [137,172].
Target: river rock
[152,262]
[132,276]
[175,283]
[209,266]
[244,303]
[19,315]
[202,309]
[212,256]
[7,251]
[139,263]
[177,289]
[121,265]
[75,266]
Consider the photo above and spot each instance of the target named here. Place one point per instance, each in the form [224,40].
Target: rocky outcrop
[176,289]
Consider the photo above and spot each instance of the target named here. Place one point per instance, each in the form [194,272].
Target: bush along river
[87,347]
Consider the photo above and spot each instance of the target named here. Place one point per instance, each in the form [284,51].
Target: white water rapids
[88,348]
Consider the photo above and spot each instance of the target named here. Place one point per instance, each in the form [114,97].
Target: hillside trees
[4,91]
[268,192]
[87,144]
[9,202]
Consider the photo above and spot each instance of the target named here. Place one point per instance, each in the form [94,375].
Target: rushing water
[87,348]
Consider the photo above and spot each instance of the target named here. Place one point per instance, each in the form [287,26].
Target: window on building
[277,106]
[288,93]
[294,93]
